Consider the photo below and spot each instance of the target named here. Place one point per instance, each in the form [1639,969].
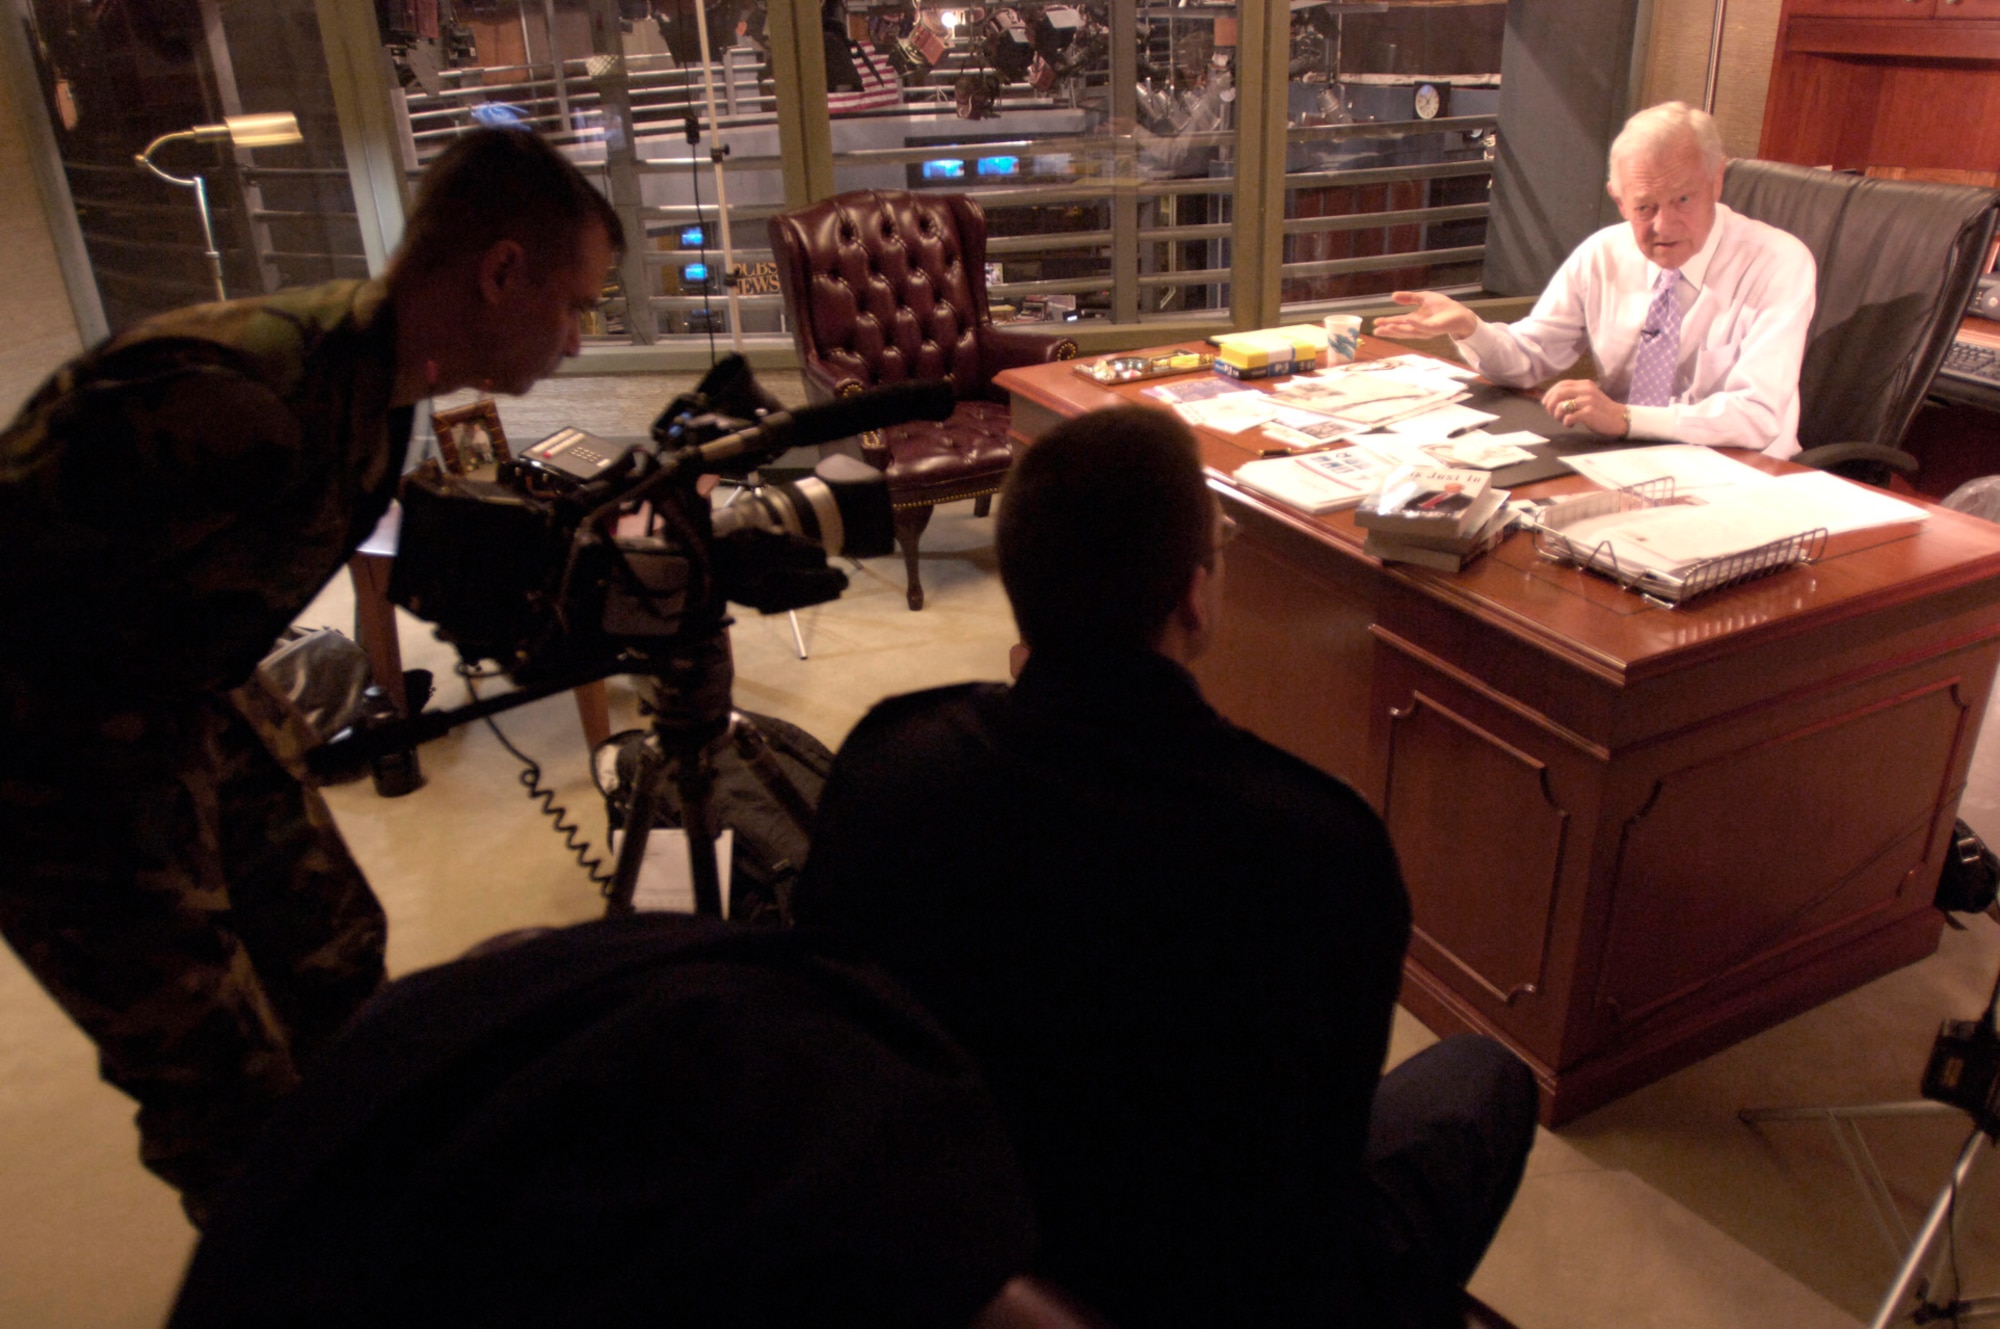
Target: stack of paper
[1725,516]
[1373,393]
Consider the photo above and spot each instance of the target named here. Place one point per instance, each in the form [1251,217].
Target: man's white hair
[1658,130]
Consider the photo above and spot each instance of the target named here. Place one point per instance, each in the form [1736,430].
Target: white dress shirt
[1746,300]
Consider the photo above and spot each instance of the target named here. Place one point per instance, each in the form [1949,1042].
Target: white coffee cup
[1343,337]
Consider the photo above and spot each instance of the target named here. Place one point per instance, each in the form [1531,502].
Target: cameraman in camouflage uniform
[173,499]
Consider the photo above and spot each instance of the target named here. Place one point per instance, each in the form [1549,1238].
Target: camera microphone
[877,408]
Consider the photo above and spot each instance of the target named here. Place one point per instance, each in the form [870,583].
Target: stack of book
[1269,352]
[1435,516]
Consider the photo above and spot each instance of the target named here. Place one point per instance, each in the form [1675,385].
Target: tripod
[1929,1275]
[690,704]
[1963,1075]
[1926,1287]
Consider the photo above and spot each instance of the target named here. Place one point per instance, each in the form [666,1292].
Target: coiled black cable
[531,780]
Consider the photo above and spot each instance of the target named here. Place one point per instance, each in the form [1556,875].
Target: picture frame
[470,438]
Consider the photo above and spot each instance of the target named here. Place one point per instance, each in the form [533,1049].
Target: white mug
[1343,337]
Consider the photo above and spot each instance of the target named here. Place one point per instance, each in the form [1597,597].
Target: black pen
[1464,429]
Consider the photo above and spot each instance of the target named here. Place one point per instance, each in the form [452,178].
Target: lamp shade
[269,129]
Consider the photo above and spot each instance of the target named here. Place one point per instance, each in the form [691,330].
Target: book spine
[1274,370]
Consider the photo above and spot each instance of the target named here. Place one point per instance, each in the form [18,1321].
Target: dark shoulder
[1269,784]
[270,339]
[933,711]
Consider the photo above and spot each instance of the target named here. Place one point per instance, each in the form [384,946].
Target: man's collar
[1695,270]
[1111,678]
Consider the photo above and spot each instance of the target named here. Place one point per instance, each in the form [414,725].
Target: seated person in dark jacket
[652,1120]
[1172,948]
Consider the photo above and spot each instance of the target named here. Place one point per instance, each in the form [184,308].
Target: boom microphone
[878,408]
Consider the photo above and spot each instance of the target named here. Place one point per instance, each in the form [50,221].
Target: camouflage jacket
[173,498]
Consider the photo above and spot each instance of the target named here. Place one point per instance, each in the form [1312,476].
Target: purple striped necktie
[1659,345]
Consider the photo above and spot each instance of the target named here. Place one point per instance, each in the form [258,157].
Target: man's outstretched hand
[1431,315]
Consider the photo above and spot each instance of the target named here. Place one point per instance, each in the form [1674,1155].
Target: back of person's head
[1102,525]
[1659,131]
[502,184]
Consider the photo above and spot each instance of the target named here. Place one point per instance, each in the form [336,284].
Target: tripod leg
[640,814]
[696,784]
[1911,1297]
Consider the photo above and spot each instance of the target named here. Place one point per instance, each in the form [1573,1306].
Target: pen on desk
[1460,431]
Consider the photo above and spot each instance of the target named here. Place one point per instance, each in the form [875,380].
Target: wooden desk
[1632,835]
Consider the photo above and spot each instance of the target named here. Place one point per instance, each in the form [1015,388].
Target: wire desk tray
[1670,590]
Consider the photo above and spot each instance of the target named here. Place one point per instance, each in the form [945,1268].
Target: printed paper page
[1690,466]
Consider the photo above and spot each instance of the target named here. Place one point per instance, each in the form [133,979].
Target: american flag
[880,89]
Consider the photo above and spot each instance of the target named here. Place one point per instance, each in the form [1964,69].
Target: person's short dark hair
[503,184]
[1102,524]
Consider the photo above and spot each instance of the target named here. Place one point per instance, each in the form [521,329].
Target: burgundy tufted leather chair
[888,287]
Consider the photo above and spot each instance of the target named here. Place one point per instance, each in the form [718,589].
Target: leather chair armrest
[1003,346]
[1867,462]
[823,382]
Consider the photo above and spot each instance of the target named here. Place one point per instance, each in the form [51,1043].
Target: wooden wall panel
[1858,84]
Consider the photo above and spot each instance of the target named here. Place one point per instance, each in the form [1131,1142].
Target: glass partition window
[1105,140]
[628,89]
[1392,115]
[116,77]
[1100,139]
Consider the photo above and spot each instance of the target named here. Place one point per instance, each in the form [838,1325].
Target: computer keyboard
[1973,360]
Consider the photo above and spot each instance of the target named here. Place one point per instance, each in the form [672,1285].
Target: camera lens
[843,507]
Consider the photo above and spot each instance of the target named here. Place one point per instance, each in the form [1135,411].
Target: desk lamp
[269,130]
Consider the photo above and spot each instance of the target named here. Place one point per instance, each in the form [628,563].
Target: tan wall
[1677,63]
[37,329]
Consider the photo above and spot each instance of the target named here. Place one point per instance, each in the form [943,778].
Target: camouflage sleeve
[148,486]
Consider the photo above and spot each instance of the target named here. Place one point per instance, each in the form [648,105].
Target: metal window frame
[363,86]
[17,66]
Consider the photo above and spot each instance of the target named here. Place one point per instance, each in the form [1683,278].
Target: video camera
[584,558]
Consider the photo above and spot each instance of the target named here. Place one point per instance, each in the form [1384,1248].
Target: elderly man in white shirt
[1697,316]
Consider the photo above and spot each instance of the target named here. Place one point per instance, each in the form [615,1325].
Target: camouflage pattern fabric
[173,499]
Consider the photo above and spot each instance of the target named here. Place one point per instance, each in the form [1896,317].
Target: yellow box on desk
[1268,351]
[1254,350]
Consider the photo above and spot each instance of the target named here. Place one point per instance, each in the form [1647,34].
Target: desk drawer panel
[1493,816]
[1745,861]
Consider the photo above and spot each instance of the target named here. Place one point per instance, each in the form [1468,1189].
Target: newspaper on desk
[1339,403]
[1689,519]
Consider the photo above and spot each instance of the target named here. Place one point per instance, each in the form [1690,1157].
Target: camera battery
[1964,1071]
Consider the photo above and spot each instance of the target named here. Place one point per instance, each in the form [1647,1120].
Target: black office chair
[1898,260]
